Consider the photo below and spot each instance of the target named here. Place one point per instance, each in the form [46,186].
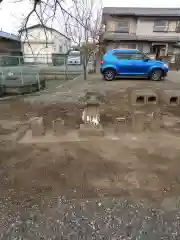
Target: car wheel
[109,75]
[156,75]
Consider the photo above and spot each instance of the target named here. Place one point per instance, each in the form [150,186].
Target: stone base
[138,121]
[156,122]
[37,126]
[89,130]
[58,126]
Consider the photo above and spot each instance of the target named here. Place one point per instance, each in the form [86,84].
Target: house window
[122,56]
[160,26]
[122,27]
[178,27]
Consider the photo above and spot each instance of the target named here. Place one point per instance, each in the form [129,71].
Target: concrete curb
[41,91]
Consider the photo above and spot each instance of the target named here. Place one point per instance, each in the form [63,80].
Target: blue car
[131,62]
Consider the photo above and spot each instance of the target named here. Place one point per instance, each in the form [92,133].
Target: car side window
[122,56]
[137,56]
[129,56]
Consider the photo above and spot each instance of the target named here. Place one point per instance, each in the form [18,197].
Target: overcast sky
[12,13]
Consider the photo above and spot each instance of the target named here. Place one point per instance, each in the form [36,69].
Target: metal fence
[20,80]
[26,72]
[45,59]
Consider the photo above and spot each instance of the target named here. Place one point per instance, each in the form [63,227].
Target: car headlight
[10,74]
[165,65]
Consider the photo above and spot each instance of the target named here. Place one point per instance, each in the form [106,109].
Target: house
[151,30]
[10,44]
[39,42]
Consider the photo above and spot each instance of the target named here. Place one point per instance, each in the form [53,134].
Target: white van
[74,58]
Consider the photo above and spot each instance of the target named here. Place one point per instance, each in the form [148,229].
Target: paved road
[174,76]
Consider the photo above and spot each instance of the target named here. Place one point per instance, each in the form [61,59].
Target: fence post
[65,67]
[22,80]
[2,74]
[38,80]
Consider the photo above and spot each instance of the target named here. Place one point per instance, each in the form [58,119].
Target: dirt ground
[137,166]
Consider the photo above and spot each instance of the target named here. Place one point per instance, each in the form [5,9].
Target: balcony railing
[115,36]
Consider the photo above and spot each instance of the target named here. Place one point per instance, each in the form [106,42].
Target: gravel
[90,219]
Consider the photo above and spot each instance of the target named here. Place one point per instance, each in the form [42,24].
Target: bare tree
[83,24]
[80,20]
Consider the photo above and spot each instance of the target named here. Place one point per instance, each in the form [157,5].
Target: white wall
[39,44]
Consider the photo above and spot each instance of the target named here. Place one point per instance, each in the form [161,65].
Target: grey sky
[12,13]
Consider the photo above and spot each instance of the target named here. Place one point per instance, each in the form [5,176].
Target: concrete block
[37,126]
[93,98]
[171,97]
[156,122]
[142,97]
[139,120]
[58,126]
[89,130]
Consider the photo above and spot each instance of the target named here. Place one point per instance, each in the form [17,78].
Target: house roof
[154,12]
[42,26]
[9,36]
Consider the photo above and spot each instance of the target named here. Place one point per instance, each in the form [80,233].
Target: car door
[122,62]
[139,64]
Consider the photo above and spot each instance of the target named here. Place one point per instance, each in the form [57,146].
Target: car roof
[123,51]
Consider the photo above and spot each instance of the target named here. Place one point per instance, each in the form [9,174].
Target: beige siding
[172,26]
[110,25]
[133,26]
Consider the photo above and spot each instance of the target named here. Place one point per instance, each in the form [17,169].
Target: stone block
[142,97]
[120,125]
[37,126]
[93,98]
[89,130]
[171,97]
[139,120]
[58,126]
[156,122]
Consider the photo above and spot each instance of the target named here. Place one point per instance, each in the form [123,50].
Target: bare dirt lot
[135,166]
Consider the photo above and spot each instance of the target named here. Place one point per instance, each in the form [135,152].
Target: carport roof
[9,36]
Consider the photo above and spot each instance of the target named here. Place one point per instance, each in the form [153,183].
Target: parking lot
[71,91]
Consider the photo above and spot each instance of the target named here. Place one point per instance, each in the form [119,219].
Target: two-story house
[151,30]
[40,42]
